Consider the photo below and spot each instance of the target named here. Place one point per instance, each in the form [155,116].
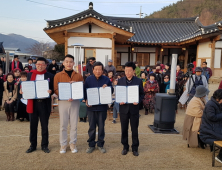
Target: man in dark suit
[15,64]
[40,108]
[130,112]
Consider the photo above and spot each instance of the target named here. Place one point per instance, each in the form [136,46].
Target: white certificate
[42,87]
[133,94]
[28,89]
[105,95]
[64,91]
[24,101]
[77,90]
[120,93]
[92,96]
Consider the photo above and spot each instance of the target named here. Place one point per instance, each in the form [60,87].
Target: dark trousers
[96,118]
[9,107]
[39,112]
[134,123]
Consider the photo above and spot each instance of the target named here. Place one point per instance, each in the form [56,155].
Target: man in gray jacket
[110,67]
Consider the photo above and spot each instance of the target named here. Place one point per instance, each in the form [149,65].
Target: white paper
[24,101]
[120,94]
[77,90]
[64,91]
[92,96]
[133,94]
[105,95]
[42,88]
[28,89]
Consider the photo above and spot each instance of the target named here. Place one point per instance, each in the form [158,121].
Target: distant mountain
[209,11]
[18,41]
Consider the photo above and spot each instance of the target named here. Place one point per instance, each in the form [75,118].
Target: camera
[190,66]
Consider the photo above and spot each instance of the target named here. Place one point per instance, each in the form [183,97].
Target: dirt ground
[156,151]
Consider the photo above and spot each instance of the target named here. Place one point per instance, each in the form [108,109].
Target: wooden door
[89,53]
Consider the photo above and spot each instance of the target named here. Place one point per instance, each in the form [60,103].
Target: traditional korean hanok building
[139,39]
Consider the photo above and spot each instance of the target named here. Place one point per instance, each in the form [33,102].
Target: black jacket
[211,126]
[50,68]
[50,77]
[133,109]
[89,68]
[20,66]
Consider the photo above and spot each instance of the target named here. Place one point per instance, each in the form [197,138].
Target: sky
[28,17]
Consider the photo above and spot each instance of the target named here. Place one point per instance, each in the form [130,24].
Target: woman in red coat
[150,89]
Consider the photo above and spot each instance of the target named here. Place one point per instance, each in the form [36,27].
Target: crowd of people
[202,124]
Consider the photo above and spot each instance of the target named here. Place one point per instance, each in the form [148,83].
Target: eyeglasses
[90,61]
[40,64]
[166,77]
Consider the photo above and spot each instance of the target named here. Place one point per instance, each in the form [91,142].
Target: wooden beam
[97,35]
[118,45]
[89,20]
[217,38]
[173,46]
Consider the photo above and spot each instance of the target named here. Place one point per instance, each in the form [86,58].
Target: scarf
[167,86]
[10,86]
[29,107]
[13,65]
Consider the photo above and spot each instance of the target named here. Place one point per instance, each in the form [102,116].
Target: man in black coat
[15,64]
[130,112]
[89,66]
[53,67]
[41,108]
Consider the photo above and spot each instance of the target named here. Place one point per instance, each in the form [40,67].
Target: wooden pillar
[113,49]
[212,55]
[161,56]
[186,60]
[66,42]
[157,54]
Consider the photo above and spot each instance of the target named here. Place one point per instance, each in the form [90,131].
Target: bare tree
[39,47]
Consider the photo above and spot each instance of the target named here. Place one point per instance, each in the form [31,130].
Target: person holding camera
[192,83]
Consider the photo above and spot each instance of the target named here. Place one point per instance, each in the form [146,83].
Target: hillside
[16,41]
[209,11]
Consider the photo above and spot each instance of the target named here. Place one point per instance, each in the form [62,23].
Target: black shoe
[31,149]
[84,119]
[218,158]
[135,153]
[46,150]
[81,120]
[124,152]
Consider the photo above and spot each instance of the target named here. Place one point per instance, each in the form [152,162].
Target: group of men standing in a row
[69,110]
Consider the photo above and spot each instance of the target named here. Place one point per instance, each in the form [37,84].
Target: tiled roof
[159,30]
[147,30]
[82,15]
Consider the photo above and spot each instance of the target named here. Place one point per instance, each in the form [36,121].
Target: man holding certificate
[68,85]
[129,93]
[97,92]
[39,107]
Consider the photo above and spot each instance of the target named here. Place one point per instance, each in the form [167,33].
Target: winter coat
[149,100]
[211,126]
[192,121]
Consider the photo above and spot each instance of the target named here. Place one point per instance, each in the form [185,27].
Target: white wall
[91,42]
[97,29]
[204,50]
[85,29]
[218,44]
[101,53]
